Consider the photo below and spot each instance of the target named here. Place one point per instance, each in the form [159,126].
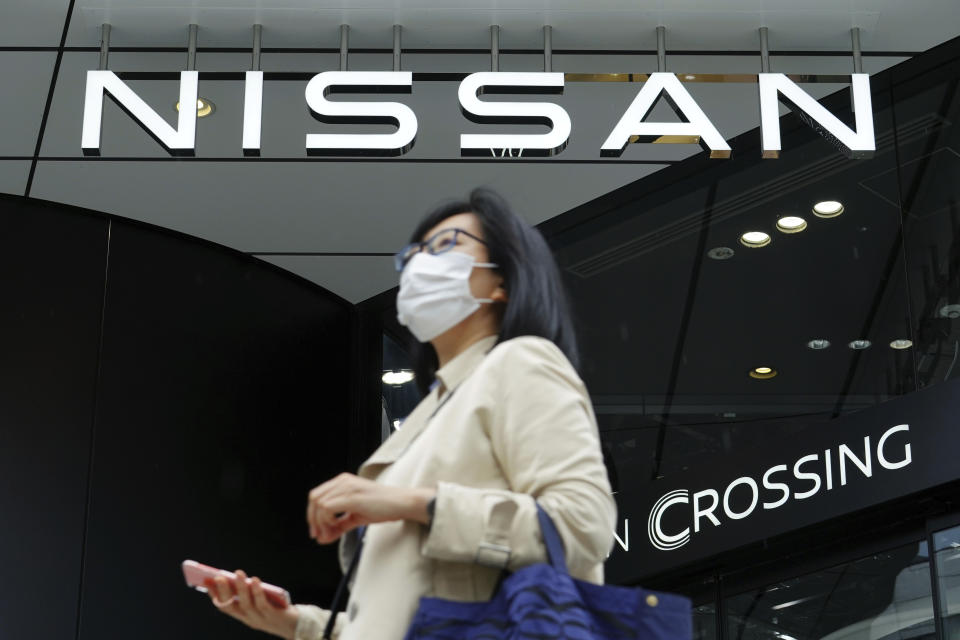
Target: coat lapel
[397,443]
[450,376]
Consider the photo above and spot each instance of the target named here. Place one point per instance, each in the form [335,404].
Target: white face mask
[435,292]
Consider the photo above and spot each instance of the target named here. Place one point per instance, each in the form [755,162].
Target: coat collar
[454,372]
[449,376]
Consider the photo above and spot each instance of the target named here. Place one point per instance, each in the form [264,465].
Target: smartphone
[195,573]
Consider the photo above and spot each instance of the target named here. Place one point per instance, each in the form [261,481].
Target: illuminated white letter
[550,114]
[177,141]
[659,539]
[906,449]
[865,465]
[750,482]
[698,512]
[777,486]
[396,143]
[252,112]
[856,144]
[625,543]
[828,467]
[806,476]
[697,125]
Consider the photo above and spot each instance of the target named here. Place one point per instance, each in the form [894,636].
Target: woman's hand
[246,601]
[349,501]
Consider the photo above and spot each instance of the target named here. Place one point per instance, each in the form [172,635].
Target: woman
[450,498]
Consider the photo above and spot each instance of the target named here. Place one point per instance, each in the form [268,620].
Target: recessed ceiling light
[402,376]
[818,343]
[720,253]
[754,239]
[903,343]
[860,344]
[791,224]
[827,209]
[950,311]
[763,373]
[204,107]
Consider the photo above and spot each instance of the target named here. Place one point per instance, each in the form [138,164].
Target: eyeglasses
[439,242]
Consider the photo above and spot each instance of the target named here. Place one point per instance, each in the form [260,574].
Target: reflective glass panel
[947,546]
[928,142]
[886,596]
[399,384]
[705,622]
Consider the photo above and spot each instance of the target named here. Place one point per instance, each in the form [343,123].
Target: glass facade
[675,313]
[886,595]
[947,555]
[677,316]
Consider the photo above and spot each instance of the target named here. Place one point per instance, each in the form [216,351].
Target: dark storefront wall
[161,399]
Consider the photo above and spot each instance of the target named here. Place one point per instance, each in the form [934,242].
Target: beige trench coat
[500,430]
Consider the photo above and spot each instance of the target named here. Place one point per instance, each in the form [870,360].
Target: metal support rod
[494,47]
[547,48]
[192,48]
[661,48]
[257,40]
[104,45]
[764,51]
[397,31]
[857,55]
[344,43]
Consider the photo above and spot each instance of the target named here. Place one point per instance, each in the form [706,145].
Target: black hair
[537,305]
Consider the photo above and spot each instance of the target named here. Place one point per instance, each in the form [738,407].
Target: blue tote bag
[542,601]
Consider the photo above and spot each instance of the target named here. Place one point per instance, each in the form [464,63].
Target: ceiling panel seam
[596,52]
[46,111]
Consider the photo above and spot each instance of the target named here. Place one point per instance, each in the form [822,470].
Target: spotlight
[791,224]
[827,209]
[204,107]
[754,239]
[763,373]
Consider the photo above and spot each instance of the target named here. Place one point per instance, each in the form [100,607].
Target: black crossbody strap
[342,587]
[355,560]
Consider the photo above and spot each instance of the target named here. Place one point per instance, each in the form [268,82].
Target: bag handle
[552,540]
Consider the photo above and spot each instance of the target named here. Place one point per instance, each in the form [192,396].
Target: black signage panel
[839,466]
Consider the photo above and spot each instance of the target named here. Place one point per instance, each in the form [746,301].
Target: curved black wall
[161,398]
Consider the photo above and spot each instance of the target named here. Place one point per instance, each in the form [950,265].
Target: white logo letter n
[177,141]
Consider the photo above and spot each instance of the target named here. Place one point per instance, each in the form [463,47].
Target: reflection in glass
[928,144]
[886,596]
[947,548]
[399,388]
[705,622]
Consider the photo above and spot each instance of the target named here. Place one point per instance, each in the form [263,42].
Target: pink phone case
[195,573]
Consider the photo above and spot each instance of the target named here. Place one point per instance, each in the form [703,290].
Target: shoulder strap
[551,539]
[355,560]
[342,587]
